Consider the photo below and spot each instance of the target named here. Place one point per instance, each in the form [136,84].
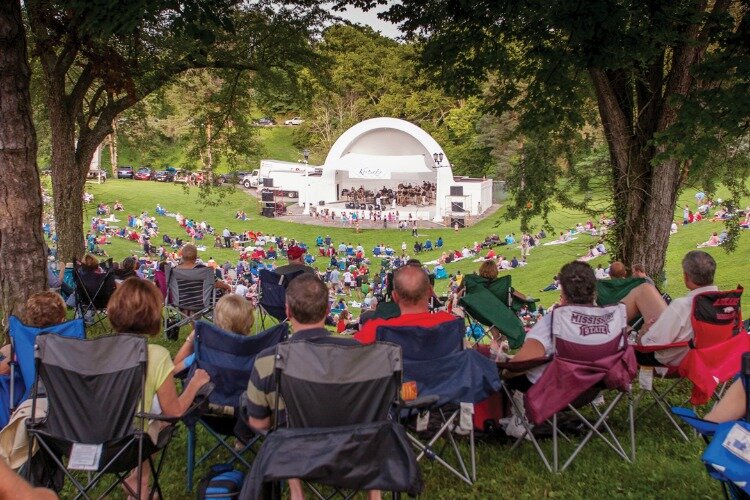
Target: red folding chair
[714,354]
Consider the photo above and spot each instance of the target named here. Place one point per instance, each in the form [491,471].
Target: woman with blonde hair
[233,314]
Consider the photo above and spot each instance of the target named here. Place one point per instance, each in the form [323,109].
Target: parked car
[234,177]
[125,172]
[96,174]
[163,176]
[294,121]
[265,122]
[143,174]
[181,176]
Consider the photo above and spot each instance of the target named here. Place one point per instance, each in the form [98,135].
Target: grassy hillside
[275,143]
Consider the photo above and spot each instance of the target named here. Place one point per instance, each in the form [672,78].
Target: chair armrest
[656,348]
[523,366]
[420,402]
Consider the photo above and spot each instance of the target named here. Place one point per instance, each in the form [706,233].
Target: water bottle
[745,375]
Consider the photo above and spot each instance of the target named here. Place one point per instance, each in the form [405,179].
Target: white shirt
[599,273]
[347,277]
[674,326]
[465,252]
[241,290]
[542,333]
[226,233]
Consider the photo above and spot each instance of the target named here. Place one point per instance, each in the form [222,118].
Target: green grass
[665,467]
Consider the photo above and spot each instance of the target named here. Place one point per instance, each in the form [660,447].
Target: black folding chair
[191,295]
[92,291]
[94,388]
[337,399]
[272,296]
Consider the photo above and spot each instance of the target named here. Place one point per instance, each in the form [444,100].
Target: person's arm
[185,350]
[531,349]
[661,330]
[12,486]
[731,407]
[173,405]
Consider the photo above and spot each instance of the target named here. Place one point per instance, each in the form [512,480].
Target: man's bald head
[411,286]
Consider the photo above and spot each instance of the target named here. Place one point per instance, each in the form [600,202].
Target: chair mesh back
[716,317]
[24,337]
[273,293]
[93,386]
[588,333]
[425,343]
[229,358]
[92,288]
[327,385]
[190,289]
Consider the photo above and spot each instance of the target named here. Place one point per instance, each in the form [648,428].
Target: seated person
[233,314]
[189,261]
[577,286]
[552,286]
[713,241]
[306,308]
[412,293]
[732,406]
[673,324]
[40,310]
[136,308]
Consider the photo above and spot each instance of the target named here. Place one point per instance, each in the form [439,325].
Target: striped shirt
[261,388]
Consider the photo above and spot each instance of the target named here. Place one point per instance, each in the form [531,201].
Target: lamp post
[438,159]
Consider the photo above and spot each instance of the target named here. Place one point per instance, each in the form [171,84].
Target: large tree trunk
[68,180]
[23,268]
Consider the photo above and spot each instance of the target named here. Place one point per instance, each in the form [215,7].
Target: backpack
[223,482]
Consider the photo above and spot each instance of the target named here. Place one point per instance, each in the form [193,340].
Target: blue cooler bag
[223,482]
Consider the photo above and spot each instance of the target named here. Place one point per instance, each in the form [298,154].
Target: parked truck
[287,177]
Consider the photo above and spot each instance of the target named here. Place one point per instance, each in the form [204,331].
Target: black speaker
[457,206]
[457,190]
[268,212]
[461,222]
[363,206]
[266,195]
[321,203]
[268,182]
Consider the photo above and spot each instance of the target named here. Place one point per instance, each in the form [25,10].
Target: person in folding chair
[699,337]
[306,309]
[226,350]
[296,264]
[94,286]
[191,292]
[569,356]
[411,293]
[136,308]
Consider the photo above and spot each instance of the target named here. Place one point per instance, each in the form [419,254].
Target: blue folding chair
[22,369]
[272,299]
[451,379]
[722,456]
[228,358]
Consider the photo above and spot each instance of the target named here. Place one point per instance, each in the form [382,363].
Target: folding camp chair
[92,291]
[337,399]
[191,295]
[590,354]
[22,369]
[94,388]
[228,358]
[487,304]
[713,358]
[434,358]
[272,299]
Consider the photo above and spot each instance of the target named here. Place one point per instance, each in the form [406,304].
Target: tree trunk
[113,149]
[23,268]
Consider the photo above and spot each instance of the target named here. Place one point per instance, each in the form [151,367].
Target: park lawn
[665,466]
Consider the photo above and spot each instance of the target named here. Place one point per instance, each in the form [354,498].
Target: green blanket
[614,290]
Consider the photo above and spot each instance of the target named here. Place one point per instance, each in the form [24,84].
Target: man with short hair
[296,262]
[189,261]
[639,271]
[412,292]
[306,308]
[674,325]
